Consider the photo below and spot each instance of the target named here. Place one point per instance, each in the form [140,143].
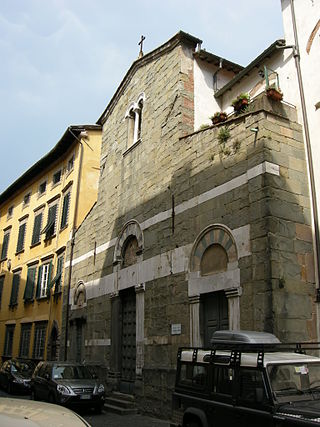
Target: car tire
[98,408]
[51,398]
[193,423]
[33,394]
[9,388]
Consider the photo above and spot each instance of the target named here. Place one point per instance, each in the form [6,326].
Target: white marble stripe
[265,167]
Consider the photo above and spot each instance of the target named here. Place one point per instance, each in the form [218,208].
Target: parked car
[247,379]
[69,384]
[15,375]
[23,413]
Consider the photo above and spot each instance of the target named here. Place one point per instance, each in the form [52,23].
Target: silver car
[69,384]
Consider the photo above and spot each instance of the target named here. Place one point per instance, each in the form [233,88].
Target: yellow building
[39,214]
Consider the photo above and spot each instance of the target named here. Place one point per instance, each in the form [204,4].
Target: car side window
[252,389]
[193,375]
[223,378]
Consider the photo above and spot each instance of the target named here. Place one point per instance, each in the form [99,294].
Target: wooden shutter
[29,289]
[36,229]
[21,235]
[65,210]
[5,245]
[1,287]
[15,289]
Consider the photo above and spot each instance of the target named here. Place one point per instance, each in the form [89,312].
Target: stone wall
[174,185]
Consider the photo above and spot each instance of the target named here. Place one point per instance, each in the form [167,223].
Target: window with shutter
[5,244]
[29,289]
[21,237]
[50,228]
[65,210]
[25,340]
[14,290]
[8,340]
[37,228]
[39,340]
[43,280]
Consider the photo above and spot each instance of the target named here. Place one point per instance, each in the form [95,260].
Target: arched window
[134,119]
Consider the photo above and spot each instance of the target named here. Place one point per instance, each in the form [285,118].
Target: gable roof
[255,63]
[41,165]
[179,38]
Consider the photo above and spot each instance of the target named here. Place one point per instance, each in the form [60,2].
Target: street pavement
[108,419]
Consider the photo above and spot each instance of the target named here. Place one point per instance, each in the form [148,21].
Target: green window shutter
[39,282]
[1,287]
[51,225]
[5,245]
[21,235]
[36,229]
[65,210]
[14,290]
[29,289]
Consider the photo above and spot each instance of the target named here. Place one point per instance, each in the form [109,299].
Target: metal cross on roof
[141,46]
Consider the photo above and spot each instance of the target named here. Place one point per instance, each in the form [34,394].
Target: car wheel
[51,398]
[193,423]
[9,388]
[98,408]
[33,394]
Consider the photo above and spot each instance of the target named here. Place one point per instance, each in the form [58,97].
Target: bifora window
[7,351]
[44,275]
[25,340]
[134,119]
[39,340]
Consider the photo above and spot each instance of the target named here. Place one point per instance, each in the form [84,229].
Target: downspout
[73,232]
[296,54]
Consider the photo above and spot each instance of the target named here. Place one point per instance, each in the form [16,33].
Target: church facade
[196,228]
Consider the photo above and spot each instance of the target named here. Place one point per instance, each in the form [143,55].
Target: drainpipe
[296,55]
[83,133]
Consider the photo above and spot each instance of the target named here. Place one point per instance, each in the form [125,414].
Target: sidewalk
[107,419]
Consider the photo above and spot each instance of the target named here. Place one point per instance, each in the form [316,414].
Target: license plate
[85,396]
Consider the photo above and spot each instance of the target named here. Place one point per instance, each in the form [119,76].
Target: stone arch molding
[227,281]
[80,295]
[131,228]
[214,234]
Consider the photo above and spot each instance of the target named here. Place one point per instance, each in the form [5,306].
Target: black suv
[68,384]
[247,379]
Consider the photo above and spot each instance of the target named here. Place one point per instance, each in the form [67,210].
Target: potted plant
[241,102]
[218,117]
[274,92]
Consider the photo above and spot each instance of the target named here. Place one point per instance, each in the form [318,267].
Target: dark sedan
[15,375]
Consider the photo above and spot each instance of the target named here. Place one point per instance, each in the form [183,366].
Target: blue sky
[62,60]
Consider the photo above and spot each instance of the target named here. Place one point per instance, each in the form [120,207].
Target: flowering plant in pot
[241,102]
[218,117]
[273,92]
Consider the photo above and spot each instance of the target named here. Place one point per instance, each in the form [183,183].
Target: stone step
[114,401]
[124,396]
[118,410]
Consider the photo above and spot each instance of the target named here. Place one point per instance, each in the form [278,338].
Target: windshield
[296,378]
[22,366]
[71,372]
